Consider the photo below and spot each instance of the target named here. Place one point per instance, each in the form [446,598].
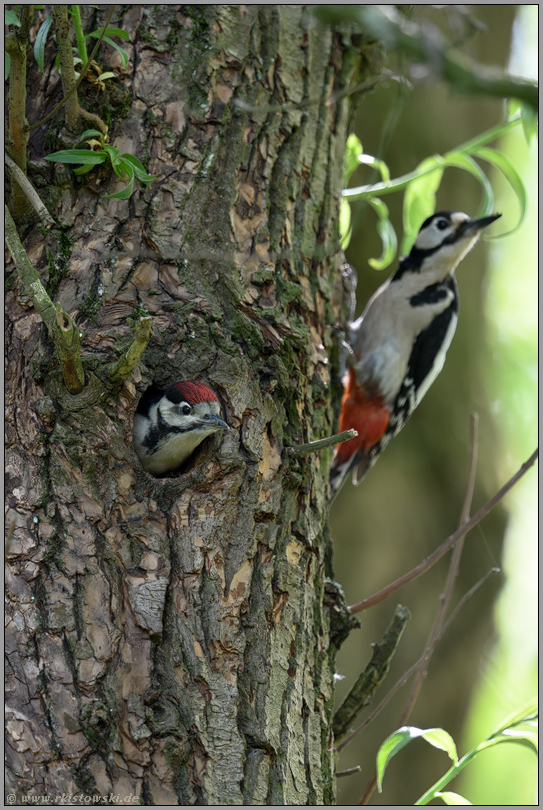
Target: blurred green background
[485,667]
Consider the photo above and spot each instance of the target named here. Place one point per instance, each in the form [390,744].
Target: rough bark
[167,638]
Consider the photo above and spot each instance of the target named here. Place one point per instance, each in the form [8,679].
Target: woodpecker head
[169,425]
[442,242]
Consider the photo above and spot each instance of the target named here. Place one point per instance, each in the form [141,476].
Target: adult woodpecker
[169,425]
[399,343]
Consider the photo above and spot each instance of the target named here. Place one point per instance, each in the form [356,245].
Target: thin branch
[122,369]
[369,681]
[16,46]
[63,330]
[448,543]
[426,45]
[451,576]
[59,12]
[400,683]
[321,444]
[32,195]
[28,274]
[78,82]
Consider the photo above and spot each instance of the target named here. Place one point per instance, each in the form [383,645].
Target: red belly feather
[365,413]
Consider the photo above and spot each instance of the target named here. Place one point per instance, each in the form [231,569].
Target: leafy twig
[400,183]
[82,75]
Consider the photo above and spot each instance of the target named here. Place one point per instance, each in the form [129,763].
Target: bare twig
[67,339]
[412,669]
[122,369]
[349,771]
[369,681]
[448,543]
[321,444]
[425,45]
[24,183]
[451,576]
[62,329]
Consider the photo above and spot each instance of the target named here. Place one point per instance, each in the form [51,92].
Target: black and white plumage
[399,343]
[169,425]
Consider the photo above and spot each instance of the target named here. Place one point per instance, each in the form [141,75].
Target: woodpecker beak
[476,225]
[214,422]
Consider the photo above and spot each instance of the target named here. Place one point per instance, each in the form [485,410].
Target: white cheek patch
[431,237]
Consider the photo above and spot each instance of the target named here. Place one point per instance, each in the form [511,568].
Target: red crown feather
[191,392]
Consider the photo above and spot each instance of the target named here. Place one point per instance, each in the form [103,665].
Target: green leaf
[77,156]
[526,714]
[113,154]
[419,200]
[39,45]
[10,18]
[140,172]
[510,735]
[124,194]
[380,165]
[122,53]
[441,739]
[529,123]
[464,161]
[345,229]
[452,798]
[91,133]
[107,75]
[123,170]
[111,32]
[352,150]
[387,234]
[83,169]
[7,64]
[117,32]
[437,737]
[502,162]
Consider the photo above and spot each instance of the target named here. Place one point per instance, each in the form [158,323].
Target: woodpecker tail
[368,415]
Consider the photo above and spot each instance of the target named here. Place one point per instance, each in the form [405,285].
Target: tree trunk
[167,638]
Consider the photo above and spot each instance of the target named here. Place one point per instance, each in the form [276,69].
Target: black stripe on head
[444,214]
[440,222]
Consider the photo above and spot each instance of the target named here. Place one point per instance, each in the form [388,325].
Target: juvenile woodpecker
[399,343]
[169,425]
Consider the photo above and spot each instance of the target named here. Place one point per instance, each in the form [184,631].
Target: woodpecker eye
[441,224]
[186,409]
